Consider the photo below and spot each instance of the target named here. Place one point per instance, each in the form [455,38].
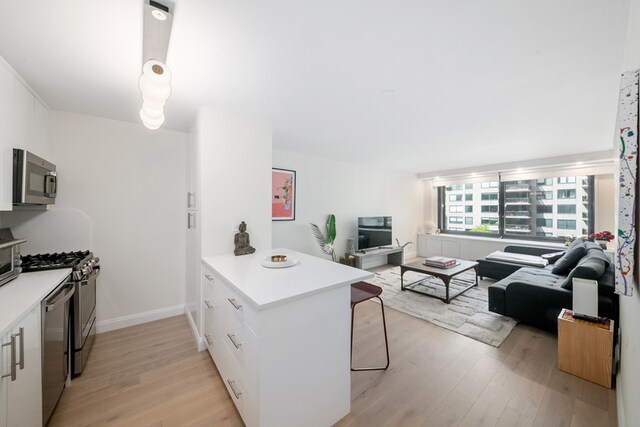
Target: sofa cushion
[589,267]
[593,249]
[570,259]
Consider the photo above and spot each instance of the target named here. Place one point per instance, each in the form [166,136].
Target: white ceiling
[409,85]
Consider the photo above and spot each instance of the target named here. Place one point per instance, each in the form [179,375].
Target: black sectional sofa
[537,295]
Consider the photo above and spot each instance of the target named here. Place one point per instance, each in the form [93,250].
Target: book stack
[440,262]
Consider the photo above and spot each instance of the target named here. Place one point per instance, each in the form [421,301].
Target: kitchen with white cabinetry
[280,336]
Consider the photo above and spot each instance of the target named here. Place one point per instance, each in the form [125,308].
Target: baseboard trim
[137,319]
[198,339]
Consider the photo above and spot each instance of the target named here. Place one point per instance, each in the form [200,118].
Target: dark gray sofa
[537,295]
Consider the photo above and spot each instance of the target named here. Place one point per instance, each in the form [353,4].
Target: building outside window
[519,208]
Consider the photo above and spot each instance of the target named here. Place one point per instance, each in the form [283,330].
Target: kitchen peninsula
[280,337]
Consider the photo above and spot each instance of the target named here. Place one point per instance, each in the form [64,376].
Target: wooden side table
[585,349]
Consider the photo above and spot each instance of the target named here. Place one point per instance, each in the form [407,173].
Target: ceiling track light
[155,81]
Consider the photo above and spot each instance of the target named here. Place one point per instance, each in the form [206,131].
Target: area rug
[467,314]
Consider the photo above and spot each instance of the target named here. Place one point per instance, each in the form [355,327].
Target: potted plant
[326,243]
[602,238]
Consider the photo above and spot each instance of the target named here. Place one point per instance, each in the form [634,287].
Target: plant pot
[602,243]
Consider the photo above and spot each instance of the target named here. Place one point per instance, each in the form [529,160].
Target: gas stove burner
[39,262]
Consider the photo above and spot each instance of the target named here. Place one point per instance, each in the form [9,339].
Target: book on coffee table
[441,262]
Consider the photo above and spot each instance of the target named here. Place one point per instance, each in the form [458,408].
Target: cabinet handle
[208,339]
[191,224]
[233,389]
[209,277]
[233,303]
[13,363]
[233,340]
[21,335]
[208,304]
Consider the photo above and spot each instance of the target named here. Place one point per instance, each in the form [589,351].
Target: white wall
[235,169]
[628,379]
[348,191]
[131,184]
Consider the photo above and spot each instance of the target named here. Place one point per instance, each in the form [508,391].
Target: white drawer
[242,343]
[237,303]
[242,392]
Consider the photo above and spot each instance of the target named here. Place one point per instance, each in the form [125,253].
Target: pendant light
[155,81]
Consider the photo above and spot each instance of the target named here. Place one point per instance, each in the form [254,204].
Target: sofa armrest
[530,250]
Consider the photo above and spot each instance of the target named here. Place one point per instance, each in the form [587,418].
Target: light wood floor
[152,375]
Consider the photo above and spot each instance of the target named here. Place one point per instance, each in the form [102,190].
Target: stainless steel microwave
[34,179]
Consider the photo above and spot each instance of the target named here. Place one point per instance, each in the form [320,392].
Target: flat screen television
[374,231]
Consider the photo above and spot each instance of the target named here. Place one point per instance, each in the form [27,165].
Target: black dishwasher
[55,345]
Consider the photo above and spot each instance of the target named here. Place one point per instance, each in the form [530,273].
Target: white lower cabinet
[21,385]
[283,365]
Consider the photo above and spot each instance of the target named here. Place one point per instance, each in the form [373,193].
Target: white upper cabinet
[40,145]
[6,138]
[23,113]
[24,123]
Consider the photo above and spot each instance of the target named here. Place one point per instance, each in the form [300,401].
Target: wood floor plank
[153,375]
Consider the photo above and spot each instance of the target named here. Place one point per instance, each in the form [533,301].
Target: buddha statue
[241,241]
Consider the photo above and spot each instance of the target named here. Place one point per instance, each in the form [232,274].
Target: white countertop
[20,295]
[266,287]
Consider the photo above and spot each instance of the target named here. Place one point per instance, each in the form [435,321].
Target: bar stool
[360,292]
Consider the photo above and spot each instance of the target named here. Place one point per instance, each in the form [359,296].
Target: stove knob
[85,271]
[17,262]
[97,260]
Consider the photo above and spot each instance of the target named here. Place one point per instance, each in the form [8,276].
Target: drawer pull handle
[237,394]
[13,363]
[208,304]
[233,340]
[209,277]
[208,339]
[234,304]
[21,335]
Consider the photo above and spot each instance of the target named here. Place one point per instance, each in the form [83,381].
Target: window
[489,208]
[566,224]
[544,195]
[456,187]
[567,194]
[566,209]
[540,208]
[490,221]
[489,196]
[544,222]
[566,180]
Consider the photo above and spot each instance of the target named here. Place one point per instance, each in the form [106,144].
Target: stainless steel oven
[9,256]
[84,314]
[34,179]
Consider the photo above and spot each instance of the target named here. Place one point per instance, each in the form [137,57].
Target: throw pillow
[553,256]
[569,259]
[588,268]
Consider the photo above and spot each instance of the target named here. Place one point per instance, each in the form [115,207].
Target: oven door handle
[61,300]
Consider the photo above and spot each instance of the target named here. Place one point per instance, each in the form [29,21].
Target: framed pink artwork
[283,195]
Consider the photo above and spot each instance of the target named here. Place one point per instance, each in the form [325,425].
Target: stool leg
[386,342]
[353,313]
[384,325]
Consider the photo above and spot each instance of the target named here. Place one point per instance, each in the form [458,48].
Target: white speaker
[585,297]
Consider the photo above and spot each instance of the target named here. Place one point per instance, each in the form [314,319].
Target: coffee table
[444,274]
